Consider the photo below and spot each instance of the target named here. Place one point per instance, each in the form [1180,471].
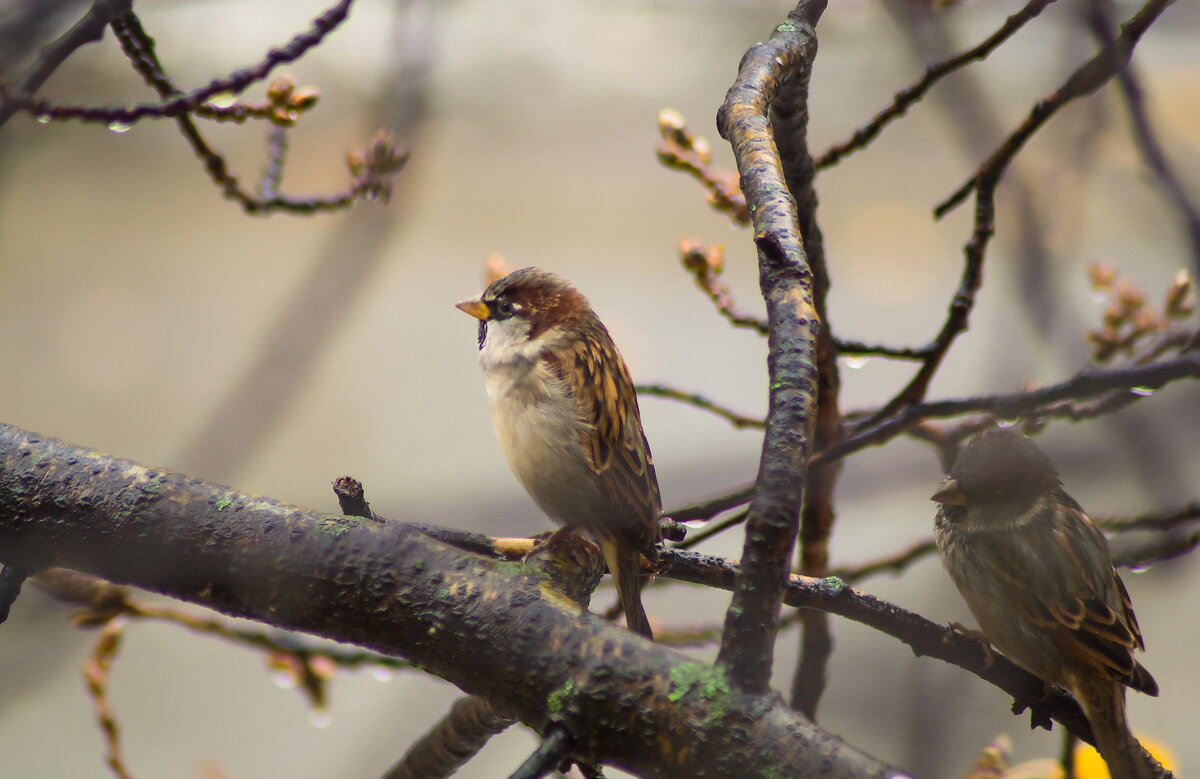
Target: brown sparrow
[567,418]
[1036,574]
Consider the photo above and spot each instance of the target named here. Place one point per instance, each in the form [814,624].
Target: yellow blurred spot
[1174,96]
[893,253]
[1089,764]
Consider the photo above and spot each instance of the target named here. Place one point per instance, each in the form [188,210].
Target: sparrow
[1037,575]
[567,419]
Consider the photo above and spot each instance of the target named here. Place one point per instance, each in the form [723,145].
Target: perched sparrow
[1036,573]
[567,418]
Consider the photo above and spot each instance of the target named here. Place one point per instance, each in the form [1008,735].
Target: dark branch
[707,509]
[933,74]
[235,83]
[454,740]
[1154,521]
[1085,384]
[493,628]
[11,579]
[699,401]
[1088,78]
[1143,133]
[547,757]
[786,281]
[88,29]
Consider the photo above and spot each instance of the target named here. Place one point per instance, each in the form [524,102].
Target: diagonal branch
[1139,380]
[1086,79]
[787,285]
[89,29]
[235,83]
[505,631]
[1146,140]
[910,95]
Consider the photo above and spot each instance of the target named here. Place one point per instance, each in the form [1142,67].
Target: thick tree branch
[498,629]
[786,281]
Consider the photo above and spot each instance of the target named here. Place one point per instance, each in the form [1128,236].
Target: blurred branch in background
[256,403]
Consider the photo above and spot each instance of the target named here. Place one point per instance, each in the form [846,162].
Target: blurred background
[145,316]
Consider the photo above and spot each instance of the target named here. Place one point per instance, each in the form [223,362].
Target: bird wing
[1085,608]
[613,440]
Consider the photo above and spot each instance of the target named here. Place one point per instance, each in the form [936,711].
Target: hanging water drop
[382,674]
[1143,391]
[119,127]
[855,362]
[284,679]
[43,119]
[320,718]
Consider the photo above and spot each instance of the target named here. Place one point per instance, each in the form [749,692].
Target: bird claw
[976,636]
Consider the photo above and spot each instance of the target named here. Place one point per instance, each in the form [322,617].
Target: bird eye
[504,308]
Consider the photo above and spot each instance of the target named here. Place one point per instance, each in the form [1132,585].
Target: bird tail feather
[624,563]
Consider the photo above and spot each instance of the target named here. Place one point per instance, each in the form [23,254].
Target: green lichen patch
[558,700]
[707,682]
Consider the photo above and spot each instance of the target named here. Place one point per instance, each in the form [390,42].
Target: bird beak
[475,308]
[950,494]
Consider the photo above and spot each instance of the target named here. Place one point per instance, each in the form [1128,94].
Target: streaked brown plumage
[567,418]
[1037,575]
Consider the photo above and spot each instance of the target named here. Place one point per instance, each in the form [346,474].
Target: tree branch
[89,29]
[1086,79]
[910,95]
[786,281]
[497,629]
[235,83]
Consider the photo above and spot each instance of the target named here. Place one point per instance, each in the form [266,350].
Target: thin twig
[706,264]
[1086,79]
[893,563]
[370,182]
[861,349]
[707,509]
[1088,383]
[1166,547]
[235,83]
[1143,133]
[89,29]
[705,533]
[906,97]
[95,674]
[699,401]
[1153,521]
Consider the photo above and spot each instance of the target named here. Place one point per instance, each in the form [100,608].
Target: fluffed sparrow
[1037,575]
[567,419]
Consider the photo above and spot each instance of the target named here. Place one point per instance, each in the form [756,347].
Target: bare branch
[1088,78]
[1087,383]
[88,29]
[235,83]
[390,588]
[786,281]
[699,401]
[454,740]
[1143,133]
[906,97]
